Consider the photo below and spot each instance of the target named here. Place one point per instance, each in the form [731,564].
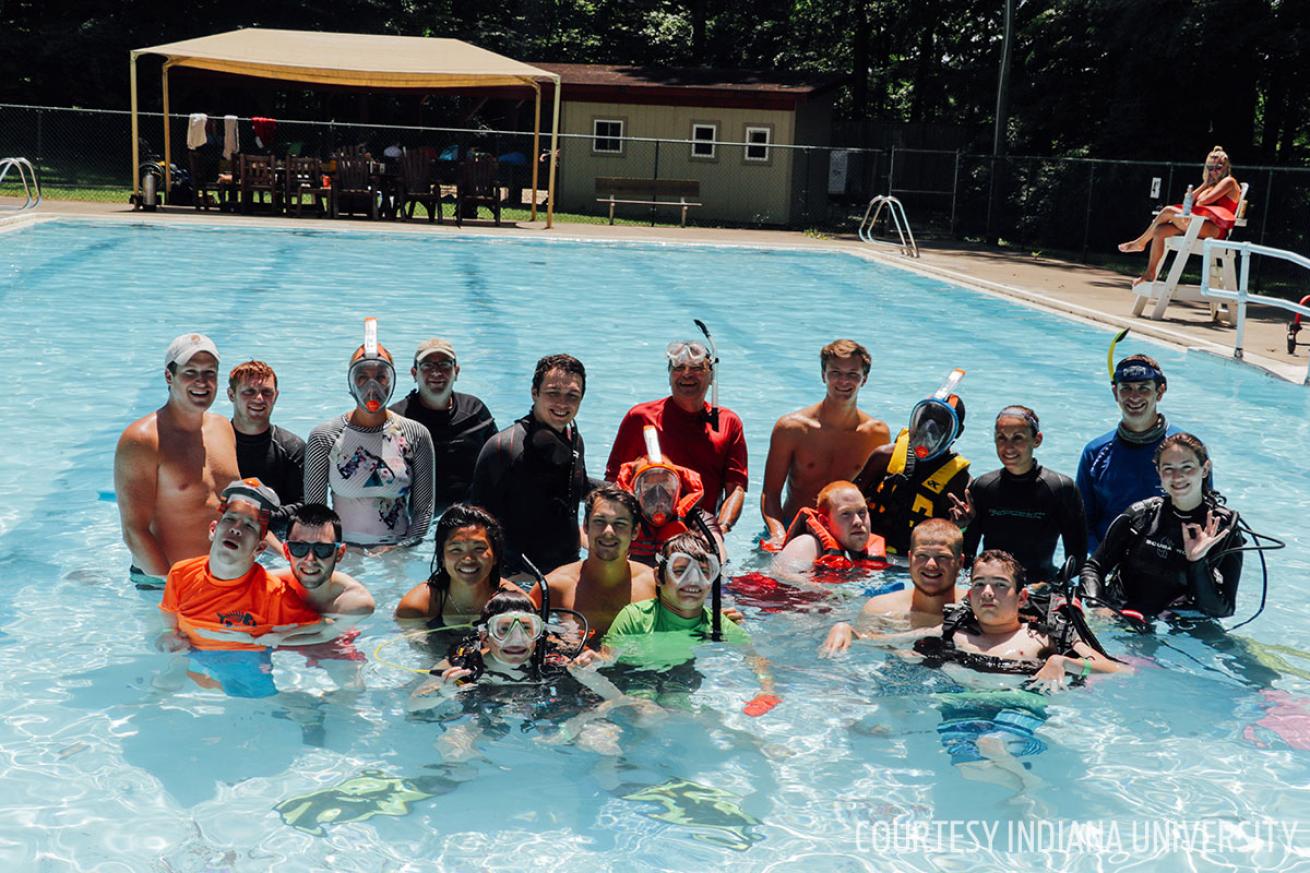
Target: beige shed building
[727,130]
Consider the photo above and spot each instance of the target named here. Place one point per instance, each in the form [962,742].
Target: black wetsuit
[458,434]
[277,458]
[532,478]
[1025,515]
[1140,565]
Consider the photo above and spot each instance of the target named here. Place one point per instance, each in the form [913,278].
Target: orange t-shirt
[254,603]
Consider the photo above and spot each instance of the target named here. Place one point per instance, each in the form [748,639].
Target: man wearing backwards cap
[688,439]
[460,424]
[1117,469]
[169,465]
[208,597]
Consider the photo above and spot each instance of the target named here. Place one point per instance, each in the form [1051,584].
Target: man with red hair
[271,454]
[834,533]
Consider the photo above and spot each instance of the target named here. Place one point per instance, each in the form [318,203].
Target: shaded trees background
[1105,78]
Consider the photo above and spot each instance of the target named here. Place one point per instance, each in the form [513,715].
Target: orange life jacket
[832,554]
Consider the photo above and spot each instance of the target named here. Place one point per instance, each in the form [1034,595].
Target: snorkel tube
[713,416]
[716,587]
[1109,355]
[539,653]
[372,395]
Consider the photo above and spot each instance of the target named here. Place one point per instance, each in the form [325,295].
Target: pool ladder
[27,175]
[899,221]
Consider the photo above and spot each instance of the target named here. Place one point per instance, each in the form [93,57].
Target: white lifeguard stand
[1224,276]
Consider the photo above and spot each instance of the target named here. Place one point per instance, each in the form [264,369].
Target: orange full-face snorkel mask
[665,491]
[372,375]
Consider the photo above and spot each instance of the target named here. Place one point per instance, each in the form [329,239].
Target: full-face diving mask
[657,489]
[372,376]
[935,421]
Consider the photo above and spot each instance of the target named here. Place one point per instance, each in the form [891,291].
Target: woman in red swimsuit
[1216,199]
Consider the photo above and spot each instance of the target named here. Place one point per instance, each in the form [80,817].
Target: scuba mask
[936,421]
[684,571]
[528,625]
[372,376]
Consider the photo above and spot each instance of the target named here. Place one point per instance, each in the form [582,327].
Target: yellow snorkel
[1109,355]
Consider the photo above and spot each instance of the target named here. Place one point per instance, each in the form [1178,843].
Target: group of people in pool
[201,497]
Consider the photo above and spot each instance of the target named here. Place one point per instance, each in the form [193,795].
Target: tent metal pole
[168,142]
[136,134]
[554,158]
[536,145]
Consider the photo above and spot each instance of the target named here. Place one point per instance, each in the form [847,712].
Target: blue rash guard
[1113,474]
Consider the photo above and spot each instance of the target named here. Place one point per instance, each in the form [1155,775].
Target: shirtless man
[605,581]
[822,443]
[936,547]
[170,466]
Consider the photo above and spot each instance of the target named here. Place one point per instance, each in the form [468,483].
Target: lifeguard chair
[1161,292]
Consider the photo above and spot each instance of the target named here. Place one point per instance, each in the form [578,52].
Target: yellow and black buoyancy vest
[903,499]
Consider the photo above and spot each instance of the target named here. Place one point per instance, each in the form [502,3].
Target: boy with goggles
[667,629]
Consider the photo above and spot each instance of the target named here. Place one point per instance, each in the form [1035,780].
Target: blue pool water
[104,770]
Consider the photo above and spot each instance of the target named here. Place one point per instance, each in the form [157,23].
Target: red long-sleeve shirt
[686,439]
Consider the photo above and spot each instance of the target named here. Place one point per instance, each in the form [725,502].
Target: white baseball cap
[187,346]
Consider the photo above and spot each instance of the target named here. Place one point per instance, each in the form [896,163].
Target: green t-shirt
[649,634]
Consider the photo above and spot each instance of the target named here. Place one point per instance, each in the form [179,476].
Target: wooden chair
[477,185]
[353,189]
[258,178]
[418,184]
[204,180]
[304,176]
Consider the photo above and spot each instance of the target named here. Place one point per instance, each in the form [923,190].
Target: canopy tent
[352,60]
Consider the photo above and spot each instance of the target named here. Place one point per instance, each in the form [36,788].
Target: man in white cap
[170,466]
[460,424]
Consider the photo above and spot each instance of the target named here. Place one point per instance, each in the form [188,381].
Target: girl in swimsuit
[1216,199]
[465,570]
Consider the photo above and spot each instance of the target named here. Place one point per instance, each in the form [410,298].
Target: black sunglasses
[322,551]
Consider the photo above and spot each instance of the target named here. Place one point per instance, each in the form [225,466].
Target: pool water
[105,769]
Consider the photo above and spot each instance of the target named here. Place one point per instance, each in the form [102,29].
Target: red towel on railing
[265,130]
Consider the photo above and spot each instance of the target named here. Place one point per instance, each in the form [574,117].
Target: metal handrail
[27,175]
[900,221]
[1242,296]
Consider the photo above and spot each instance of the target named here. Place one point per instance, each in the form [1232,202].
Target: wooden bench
[645,192]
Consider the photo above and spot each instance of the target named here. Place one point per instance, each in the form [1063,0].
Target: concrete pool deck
[1079,290]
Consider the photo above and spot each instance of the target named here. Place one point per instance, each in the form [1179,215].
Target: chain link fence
[1074,207]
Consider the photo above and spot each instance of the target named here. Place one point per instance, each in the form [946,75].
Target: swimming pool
[104,770]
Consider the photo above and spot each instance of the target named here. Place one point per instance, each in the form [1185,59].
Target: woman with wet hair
[465,570]
[1172,552]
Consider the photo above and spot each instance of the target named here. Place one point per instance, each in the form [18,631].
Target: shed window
[607,136]
[757,143]
[702,140]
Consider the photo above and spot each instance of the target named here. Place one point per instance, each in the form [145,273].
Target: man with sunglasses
[689,436]
[313,547]
[460,424]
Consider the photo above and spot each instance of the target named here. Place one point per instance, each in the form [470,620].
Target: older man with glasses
[711,442]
